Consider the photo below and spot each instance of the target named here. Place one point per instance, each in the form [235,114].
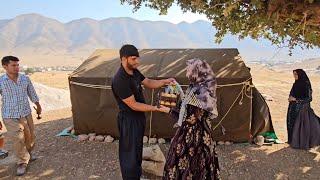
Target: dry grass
[52,79]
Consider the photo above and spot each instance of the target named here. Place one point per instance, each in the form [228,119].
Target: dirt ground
[56,79]
[277,84]
[65,158]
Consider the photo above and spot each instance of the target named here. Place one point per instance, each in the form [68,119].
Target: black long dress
[293,111]
[302,123]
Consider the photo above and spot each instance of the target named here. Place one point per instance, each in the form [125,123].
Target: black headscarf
[301,86]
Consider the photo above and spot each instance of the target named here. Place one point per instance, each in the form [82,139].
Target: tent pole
[150,120]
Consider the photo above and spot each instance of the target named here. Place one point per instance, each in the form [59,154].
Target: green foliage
[285,23]
[29,71]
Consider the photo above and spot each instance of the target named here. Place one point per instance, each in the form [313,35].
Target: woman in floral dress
[192,152]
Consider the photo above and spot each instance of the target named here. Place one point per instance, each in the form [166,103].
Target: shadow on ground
[65,158]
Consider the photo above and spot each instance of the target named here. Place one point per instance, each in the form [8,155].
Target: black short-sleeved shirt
[125,85]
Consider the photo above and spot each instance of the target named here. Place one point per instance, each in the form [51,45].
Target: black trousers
[131,129]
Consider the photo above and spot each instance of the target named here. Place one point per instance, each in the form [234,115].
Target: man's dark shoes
[21,169]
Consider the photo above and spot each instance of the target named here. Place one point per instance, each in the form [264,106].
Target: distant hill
[35,35]
[310,65]
[35,32]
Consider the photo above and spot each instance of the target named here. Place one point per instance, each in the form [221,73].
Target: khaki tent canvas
[243,112]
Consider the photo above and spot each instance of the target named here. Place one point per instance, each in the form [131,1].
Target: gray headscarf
[202,89]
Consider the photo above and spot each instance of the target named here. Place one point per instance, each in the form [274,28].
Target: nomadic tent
[243,112]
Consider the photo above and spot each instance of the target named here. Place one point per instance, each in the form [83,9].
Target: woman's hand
[291,99]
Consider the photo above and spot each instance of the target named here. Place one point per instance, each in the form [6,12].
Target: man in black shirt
[126,87]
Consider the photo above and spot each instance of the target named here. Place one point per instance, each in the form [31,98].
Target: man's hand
[170,81]
[39,109]
[155,84]
[163,109]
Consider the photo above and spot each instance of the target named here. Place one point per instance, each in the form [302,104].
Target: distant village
[29,70]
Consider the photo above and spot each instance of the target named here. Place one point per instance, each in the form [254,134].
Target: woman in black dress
[303,124]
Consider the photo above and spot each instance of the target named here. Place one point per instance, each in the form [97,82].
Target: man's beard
[130,66]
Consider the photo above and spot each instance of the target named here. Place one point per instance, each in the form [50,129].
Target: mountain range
[36,34]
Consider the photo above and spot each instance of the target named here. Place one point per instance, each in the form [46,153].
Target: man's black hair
[6,60]
[128,50]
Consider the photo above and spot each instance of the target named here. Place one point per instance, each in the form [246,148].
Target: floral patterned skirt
[192,154]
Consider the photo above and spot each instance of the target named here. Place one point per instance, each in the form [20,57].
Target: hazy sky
[67,10]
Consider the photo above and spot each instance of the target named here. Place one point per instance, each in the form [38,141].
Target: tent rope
[109,87]
[246,87]
[90,85]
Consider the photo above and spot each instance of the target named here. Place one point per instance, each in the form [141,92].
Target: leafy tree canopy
[286,23]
